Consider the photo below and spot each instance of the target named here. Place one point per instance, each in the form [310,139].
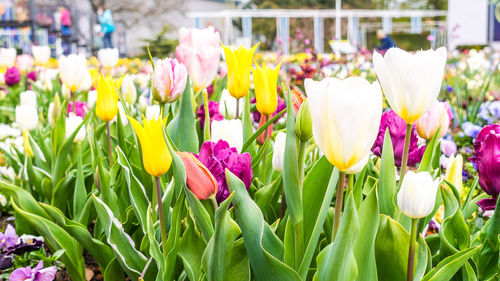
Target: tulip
[50,114]
[26,144]
[230,131]
[411,82]
[26,117]
[72,122]
[107,99]
[397,130]
[127,89]
[303,123]
[297,99]
[279,151]
[12,76]
[228,105]
[41,54]
[54,110]
[239,63]
[199,51]
[345,118]
[155,154]
[108,58]
[31,76]
[24,63]
[454,171]
[218,157]
[95,76]
[487,160]
[143,103]
[168,80]
[436,117]
[86,82]
[78,107]
[265,80]
[28,98]
[7,57]
[417,196]
[198,178]
[72,71]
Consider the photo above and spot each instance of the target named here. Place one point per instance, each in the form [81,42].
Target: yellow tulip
[107,99]
[155,155]
[265,80]
[94,74]
[26,143]
[454,171]
[239,64]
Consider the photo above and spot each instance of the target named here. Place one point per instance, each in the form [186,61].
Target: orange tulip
[199,179]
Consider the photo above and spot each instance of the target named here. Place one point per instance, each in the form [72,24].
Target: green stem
[206,127]
[162,110]
[338,203]
[411,252]
[299,243]
[238,109]
[161,218]
[283,204]
[350,183]
[264,161]
[214,203]
[404,160]
[301,155]
[110,156]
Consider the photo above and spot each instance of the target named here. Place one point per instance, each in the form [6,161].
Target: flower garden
[224,163]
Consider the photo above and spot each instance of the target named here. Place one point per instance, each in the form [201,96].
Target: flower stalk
[404,160]
[338,203]
[411,252]
[161,217]
[110,156]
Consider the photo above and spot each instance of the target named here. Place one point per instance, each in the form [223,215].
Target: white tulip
[108,58]
[72,122]
[143,103]
[26,117]
[50,113]
[86,82]
[359,166]
[41,54]
[346,118]
[417,195]
[91,98]
[28,98]
[152,112]
[7,57]
[128,90]
[230,131]
[72,71]
[279,151]
[229,102]
[411,82]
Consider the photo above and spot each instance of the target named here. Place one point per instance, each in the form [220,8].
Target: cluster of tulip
[193,169]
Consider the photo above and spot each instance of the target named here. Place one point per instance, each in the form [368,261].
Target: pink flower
[36,274]
[80,108]
[199,51]
[436,117]
[24,63]
[168,80]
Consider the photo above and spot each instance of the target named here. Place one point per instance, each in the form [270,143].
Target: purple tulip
[397,129]
[487,160]
[31,76]
[219,156]
[213,110]
[9,238]
[80,108]
[36,274]
[12,76]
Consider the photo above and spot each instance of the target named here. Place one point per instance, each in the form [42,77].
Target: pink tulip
[199,51]
[437,116]
[168,80]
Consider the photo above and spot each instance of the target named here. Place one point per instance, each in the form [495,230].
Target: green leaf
[191,247]
[182,128]
[337,260]
[173,238]
[248,126]
[80,194]
[454,233]
[259,131]
[387,180]
[154,245]
[450,265]
[430,153]
[489,256]
[264,248]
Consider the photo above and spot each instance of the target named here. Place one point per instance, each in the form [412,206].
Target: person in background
[105,19]
[386,41]
[65,28]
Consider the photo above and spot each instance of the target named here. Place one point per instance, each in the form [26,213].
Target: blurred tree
[159,46]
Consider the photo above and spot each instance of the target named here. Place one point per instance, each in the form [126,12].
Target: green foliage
[160,46]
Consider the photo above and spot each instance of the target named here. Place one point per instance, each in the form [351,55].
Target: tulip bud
[26,144]
[303,124]
[454,171]
[417,195]
[198,178]
[28,98]
[265,80]
[168,80]
[127,89]
[72,122]
[97,182]
[279,151]
[56,112]
[107,99]
[230,131]
[26,117]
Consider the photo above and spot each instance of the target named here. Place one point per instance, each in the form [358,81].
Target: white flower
[108,57]
[41,54]
[26,117]
[86,82]
[128,90]
[72,122]
[152,112]
[229,102]
[51,113]
[411,82]
[28,98]
[7,57]
[417,195]
[91,98]
[230,131]
[279,151]
[8,131]
[72,71]
[143,103]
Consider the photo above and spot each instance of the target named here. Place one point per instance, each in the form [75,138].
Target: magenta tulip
[12,76]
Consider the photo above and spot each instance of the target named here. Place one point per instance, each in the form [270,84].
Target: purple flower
[470,129]
[487,160]
[449,89]
[397,129]
[219,156]
[36,274]
[279,108]
[80,108]
[12,76]
[26,243]
[213,111]
[31,76]
[448,147]
[6,261]
[8,238]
